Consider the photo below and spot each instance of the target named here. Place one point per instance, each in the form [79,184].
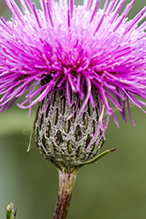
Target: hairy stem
[66,185]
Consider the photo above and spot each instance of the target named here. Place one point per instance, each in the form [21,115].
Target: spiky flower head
[72,47]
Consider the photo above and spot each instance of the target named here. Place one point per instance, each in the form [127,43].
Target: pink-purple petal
[64,46]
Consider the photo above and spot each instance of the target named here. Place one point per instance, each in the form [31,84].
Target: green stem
[66,185]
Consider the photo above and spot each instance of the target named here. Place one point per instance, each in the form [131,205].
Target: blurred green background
[114,188]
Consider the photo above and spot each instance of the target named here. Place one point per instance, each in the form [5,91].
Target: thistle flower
[69,47]
[77,62]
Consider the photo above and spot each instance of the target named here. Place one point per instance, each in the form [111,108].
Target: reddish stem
[66,185]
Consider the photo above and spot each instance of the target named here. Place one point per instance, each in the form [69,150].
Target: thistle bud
[63,137]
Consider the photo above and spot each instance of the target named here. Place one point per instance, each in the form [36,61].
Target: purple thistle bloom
[69,47]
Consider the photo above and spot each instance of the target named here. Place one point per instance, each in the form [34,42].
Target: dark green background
[114,188]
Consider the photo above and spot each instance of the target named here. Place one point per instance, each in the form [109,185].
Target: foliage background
[114,188]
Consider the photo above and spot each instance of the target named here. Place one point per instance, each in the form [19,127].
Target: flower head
[71,47]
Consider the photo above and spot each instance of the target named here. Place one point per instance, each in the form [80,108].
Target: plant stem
[66,185]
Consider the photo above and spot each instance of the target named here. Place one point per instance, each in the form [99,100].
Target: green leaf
[97,158]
